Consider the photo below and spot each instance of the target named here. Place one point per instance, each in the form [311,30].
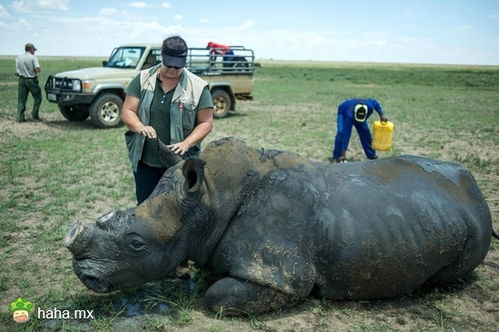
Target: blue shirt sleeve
[377,106]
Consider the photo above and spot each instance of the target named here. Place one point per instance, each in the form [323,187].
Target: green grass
[56,172]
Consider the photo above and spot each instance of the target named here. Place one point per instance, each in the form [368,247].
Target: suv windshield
[125,57]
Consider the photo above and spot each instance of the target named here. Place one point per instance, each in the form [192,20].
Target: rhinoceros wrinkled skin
[278,227]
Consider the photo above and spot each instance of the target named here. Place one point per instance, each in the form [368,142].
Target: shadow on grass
[171,303]
[232,115]
[72,125]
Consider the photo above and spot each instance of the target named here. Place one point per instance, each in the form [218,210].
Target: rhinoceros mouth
[94,284]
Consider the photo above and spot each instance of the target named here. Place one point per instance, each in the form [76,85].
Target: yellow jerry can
[382,135]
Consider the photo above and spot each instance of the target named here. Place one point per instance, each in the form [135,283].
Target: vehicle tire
[221,103]
[105,111]
[74,113]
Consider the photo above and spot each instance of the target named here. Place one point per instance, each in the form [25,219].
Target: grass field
[55,172]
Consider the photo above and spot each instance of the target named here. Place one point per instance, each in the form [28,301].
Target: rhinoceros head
[127,248]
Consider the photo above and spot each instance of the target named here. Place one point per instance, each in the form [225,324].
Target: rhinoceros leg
[238,297]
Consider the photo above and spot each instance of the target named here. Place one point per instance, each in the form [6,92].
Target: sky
[394,31]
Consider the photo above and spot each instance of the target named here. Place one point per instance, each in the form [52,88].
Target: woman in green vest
[170,103]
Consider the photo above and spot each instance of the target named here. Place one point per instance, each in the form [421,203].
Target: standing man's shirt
[26,65]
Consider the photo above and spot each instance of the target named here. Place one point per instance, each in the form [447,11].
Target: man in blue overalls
[355,112]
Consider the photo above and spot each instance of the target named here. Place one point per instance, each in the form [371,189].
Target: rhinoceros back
[400,222]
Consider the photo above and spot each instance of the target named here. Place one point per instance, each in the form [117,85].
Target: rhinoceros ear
[167,156]
[193,171]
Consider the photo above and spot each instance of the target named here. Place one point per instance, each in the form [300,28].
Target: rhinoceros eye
[136,243]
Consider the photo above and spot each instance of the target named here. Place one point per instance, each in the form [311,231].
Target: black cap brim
[174,61]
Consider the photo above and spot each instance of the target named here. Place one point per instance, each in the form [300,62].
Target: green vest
[183,110]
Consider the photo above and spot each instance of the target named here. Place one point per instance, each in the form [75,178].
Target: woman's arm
[130,117]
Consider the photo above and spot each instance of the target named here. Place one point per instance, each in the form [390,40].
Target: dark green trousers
[27,85]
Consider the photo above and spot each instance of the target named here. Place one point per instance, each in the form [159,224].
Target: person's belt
[27,78]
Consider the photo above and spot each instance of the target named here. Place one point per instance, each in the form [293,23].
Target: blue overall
[346,120]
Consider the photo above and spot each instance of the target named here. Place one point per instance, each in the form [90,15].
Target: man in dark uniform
[27,67]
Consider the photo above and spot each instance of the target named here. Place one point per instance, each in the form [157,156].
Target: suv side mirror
[104,63]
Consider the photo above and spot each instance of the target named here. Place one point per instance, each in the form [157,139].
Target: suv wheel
[105,111]
[74,113]
[221,102]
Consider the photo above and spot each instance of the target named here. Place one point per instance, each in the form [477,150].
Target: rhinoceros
[278,227]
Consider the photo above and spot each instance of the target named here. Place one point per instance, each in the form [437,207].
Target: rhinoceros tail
[494,234]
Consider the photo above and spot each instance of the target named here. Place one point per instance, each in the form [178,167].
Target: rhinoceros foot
[234,297]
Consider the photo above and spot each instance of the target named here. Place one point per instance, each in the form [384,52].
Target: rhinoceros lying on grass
[279,228]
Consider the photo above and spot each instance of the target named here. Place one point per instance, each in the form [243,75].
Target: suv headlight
[87,85]
[77,85]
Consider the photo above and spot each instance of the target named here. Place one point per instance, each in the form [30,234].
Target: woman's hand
[147,131]
[180,148]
